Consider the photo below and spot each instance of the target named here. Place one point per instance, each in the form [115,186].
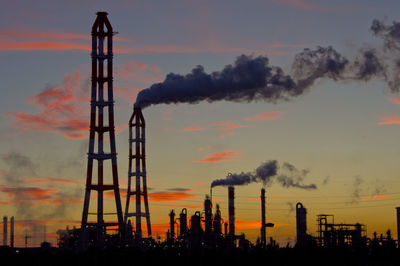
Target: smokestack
[12,232]
[183,223]
[301,223]
[208,215]
[263,226]
[231,208]
[398,226]
[217,222]
[5,231]
[172,224]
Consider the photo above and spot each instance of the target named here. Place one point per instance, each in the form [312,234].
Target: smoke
[252,78]
[389,33]
[19,168]
[18,165]
[292,177]
[288,176]
[357,190]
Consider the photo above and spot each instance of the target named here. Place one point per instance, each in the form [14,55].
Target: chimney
[263,226]
[231,210]
[301,223]
[5,231]
[208,215]
[172,224]
[398,225]
[183,223]
[12,232]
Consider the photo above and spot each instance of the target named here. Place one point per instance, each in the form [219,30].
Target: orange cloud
[395,100]
[299,4]
[48,180]
[29,193]
[219,157]
[30,45]
[227,125]
[43,35]
[202,184]
[169,196]
[193,128]
[265,116]
[390,120]
[246,224]
[377,197]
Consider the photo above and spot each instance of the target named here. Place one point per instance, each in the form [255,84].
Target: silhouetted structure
[398,226]
[333,235]
[231,210]
[12,231]
[5,223]
[102,53]
[301,224]
[137,158]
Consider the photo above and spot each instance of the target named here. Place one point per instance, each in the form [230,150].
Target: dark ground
[169,256]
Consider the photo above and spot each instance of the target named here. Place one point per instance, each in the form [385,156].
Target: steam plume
[289,176]
[252,78]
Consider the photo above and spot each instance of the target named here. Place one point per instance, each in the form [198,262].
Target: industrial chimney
[183,223]
[208,215]
[217,222]
[263,225]
[398,226]
[12,232]
[5,231]
[172,224]
[231,210]
[301,223]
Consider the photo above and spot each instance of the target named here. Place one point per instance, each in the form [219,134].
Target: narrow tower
[101,101]
[263,220]
[231,210]
[137,158]
[5,223]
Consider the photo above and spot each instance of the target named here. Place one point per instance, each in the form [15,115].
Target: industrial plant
[202,235]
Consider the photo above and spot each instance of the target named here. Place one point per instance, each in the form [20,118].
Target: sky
[340,134]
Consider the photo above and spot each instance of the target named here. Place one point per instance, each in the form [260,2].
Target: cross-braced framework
[137,158]
[102,83]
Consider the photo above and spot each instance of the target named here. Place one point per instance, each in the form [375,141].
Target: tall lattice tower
[102,83]
[137,157]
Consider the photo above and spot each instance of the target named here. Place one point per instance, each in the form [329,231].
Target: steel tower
[138,158]
[102,84]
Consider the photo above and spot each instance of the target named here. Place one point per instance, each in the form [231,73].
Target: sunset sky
[344,134]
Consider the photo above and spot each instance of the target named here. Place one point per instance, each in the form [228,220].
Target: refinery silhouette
[201,237]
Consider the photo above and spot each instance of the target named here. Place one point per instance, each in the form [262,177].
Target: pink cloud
[62,110]
[219,157]
[193,128]
[32,45]
[139,72]
[203,148]
[300,4]
[390,120]
[265,116]
[395,100]
[227,127]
